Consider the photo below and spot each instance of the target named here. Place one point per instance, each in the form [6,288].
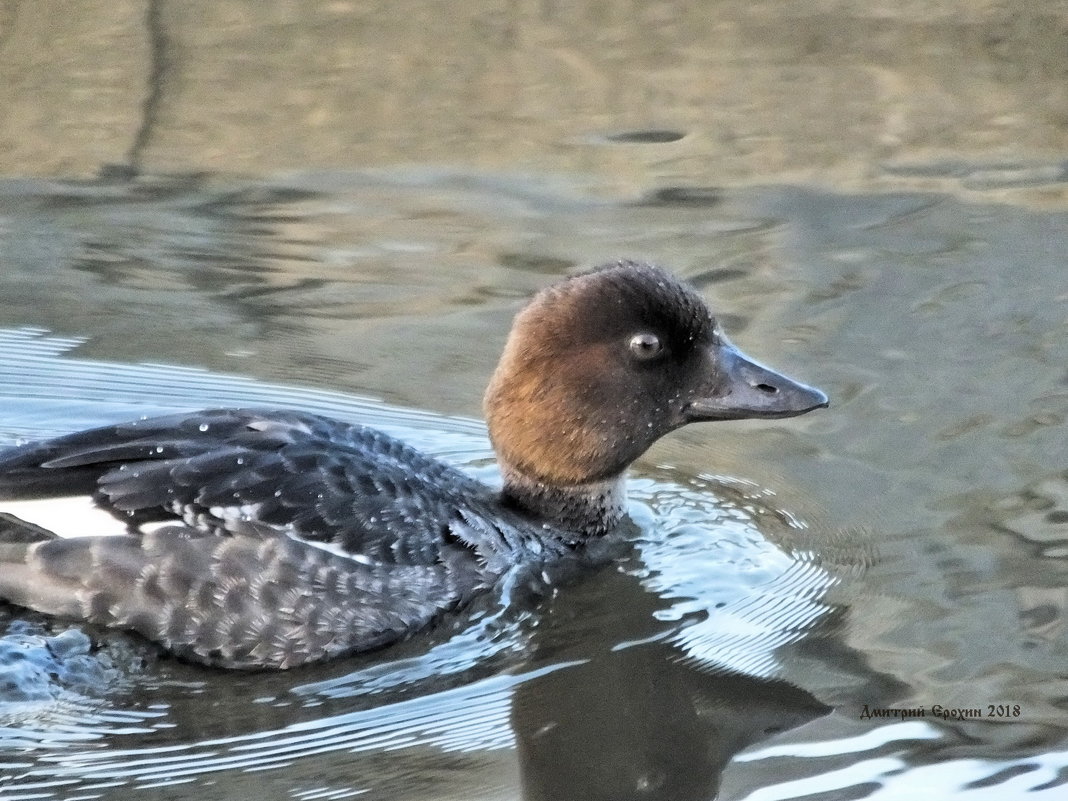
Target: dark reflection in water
[637,720]
[636,724]
[685,196]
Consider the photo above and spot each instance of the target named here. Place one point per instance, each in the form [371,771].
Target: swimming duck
[270,539]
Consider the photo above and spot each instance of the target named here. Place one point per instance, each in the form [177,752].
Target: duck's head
[601,365]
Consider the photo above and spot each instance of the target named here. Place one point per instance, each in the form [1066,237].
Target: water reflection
[638,724]
[638,720]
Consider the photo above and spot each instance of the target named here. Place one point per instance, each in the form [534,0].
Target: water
[873,198]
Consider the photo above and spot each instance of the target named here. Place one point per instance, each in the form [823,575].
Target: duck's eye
[646,346]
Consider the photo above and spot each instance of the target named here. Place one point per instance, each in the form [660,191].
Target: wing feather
[316,478]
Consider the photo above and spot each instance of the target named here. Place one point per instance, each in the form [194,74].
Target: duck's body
[276,538]
[261,538]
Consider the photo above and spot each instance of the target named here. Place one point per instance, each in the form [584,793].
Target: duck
[269,539]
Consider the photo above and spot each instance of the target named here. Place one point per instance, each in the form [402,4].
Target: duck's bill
[747,389]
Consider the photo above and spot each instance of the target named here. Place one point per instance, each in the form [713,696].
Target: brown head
[601,365]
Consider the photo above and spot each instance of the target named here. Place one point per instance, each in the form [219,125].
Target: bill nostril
[766,388]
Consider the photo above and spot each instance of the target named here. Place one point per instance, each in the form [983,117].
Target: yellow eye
[646,346]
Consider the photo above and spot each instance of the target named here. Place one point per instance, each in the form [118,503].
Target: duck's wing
[276,538]
[228,471]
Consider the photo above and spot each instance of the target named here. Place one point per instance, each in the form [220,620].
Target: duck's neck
[587,510]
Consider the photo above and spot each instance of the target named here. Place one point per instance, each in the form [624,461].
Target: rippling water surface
[792,587]
[339,207]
